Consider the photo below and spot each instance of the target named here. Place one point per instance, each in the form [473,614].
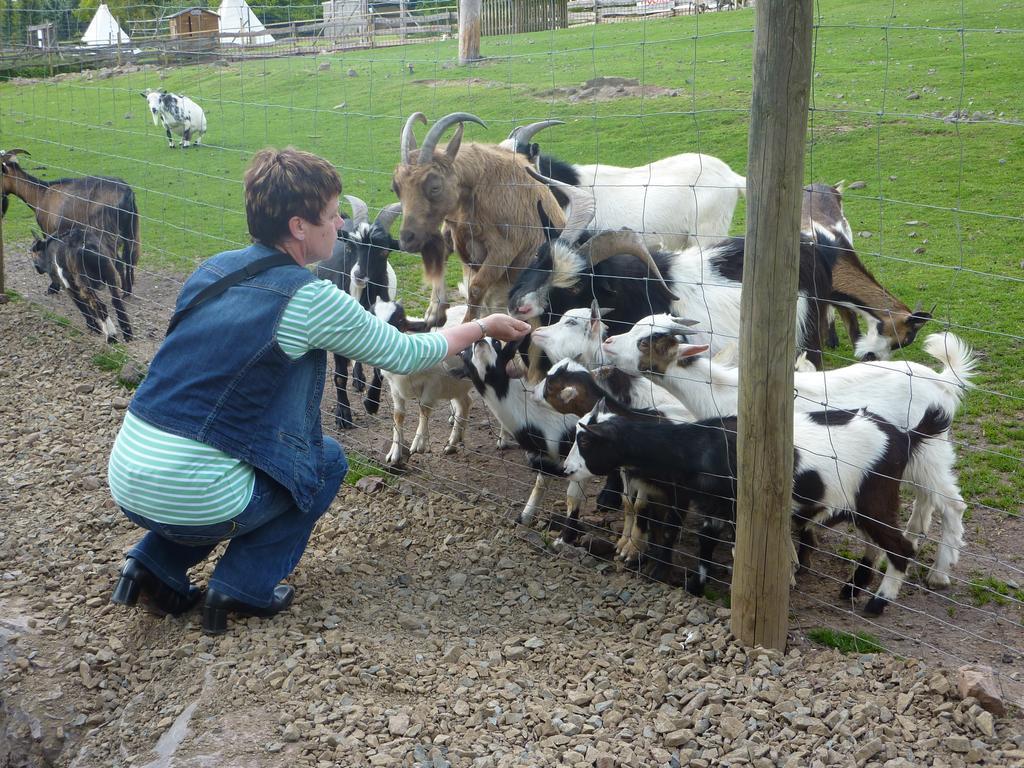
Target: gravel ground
[425,632]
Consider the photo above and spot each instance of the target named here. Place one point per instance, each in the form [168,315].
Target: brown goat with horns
[102,204]
[478,199]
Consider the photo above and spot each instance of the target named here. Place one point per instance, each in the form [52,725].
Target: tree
[122,10]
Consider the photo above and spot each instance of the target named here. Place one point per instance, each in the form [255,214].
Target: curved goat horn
[442,125]
[387,216]
[6,153]
[607,244]
[525,133]
[582,206]
[360,211]
[408,138]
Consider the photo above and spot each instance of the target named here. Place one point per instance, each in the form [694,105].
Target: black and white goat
[898,391]
[649,505]
[84,262]
[430,388]
[676,202]
[544,433]
[178,114]
[847,468]
[359,266]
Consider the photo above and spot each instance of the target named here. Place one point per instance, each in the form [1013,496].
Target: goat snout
[410,241]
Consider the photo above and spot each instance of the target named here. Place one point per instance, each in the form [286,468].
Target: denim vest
[220,377]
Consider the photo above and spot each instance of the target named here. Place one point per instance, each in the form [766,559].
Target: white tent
[104,29]
[239,25]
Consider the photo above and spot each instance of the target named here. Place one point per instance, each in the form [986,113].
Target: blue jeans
[267,538]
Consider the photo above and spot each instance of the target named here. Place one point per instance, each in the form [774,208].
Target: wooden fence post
[3,286]
[778,128]
[469,31]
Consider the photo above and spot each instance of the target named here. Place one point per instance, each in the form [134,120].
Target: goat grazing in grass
[82,262]
[178,114]
[674,202]
[104,205]
[359,266]
[436,385]
[891,324]
[847,468]
[898,391]
[487,202]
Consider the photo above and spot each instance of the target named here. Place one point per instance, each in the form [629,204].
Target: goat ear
[839,186]
[452,149]
[917,319]
[690,350]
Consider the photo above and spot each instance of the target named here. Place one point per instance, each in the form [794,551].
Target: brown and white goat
[102,204]
[477,199]
[83,262]
[891,324]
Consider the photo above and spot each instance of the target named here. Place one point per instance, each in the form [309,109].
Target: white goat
[177,113]
[898,391]
[675,202]
[429,388]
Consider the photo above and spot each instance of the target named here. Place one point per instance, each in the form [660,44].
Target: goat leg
[610,497]
[533,503]
[122,315]
[342,411]
[358,377]
[461,405]
[571,529]
[421,440]
[83,307]
[396,455]
[170,139]
[372,400]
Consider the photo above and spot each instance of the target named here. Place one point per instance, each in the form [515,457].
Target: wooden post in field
[778,128]
[469,31]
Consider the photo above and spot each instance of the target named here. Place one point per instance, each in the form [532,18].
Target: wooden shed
[194,22]
[41,35]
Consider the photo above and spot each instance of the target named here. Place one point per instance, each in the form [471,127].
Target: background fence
[917,109]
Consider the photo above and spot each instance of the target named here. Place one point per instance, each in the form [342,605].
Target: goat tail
[741,183]
[957,357]
[936,421]
[131,240]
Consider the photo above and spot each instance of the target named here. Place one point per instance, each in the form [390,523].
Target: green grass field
[940,220]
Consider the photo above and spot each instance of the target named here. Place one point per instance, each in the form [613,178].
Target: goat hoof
[875,606]
[343,420]
[694,585]
[450,449]
[846,592]
[937,580]
[358,385]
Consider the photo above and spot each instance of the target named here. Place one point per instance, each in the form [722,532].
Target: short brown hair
[283,183]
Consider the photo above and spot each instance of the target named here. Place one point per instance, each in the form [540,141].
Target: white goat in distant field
[177,113]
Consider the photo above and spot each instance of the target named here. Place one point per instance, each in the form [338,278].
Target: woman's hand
[504,327]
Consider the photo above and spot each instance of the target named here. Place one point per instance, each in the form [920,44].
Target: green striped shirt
[172,479]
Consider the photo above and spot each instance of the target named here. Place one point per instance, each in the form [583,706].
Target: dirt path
[426,630]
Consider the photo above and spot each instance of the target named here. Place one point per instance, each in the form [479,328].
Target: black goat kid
[359,266]
[84,262]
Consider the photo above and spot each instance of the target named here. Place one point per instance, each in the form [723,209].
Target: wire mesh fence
[914,108]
